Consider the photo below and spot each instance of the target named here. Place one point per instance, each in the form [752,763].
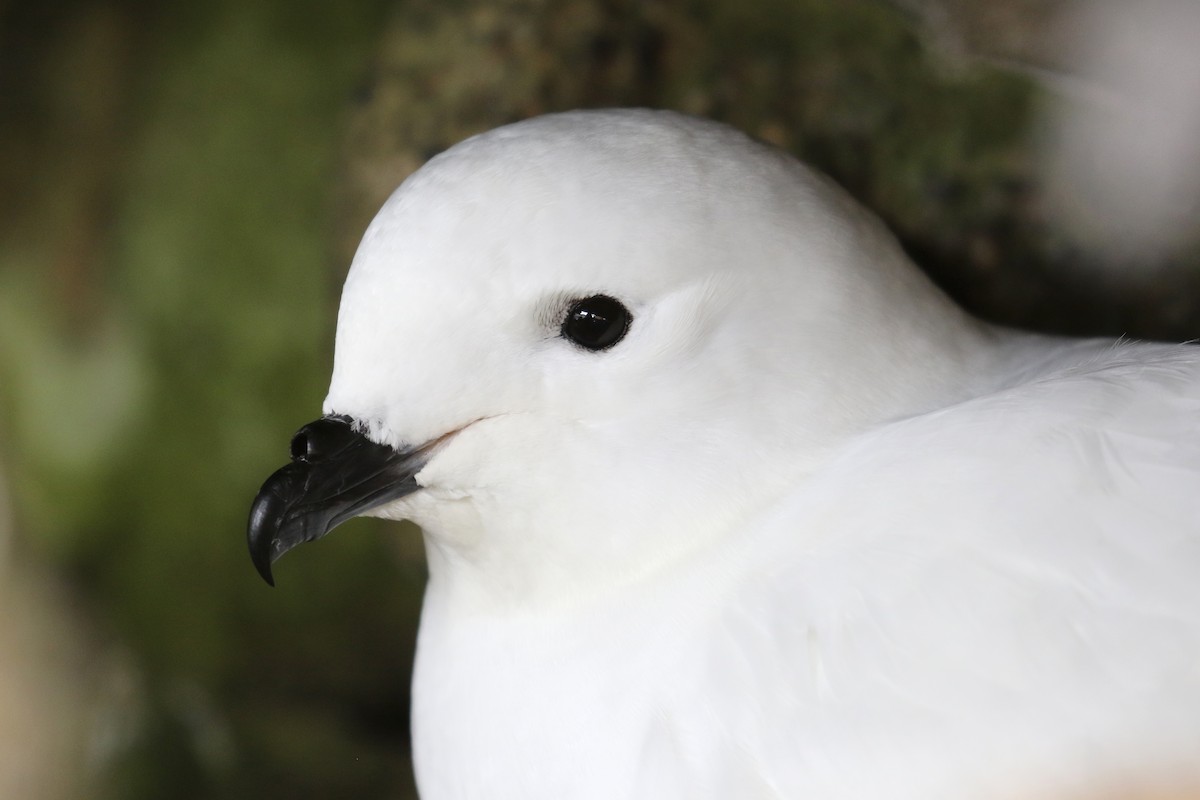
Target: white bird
[723,498]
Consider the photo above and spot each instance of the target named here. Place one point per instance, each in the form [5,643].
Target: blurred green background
[181,190]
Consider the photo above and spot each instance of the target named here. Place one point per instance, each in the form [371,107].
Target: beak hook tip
[262,563]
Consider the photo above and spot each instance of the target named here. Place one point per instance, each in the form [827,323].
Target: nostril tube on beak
[300,446]
[319,439]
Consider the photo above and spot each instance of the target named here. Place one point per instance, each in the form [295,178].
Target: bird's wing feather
[994,598]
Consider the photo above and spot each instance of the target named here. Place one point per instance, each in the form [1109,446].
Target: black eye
[596,322]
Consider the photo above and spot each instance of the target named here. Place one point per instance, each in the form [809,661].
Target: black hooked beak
[336,473]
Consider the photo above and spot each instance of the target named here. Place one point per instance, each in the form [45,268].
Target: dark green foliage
[141,422]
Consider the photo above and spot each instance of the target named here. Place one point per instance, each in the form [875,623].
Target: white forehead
[567,195]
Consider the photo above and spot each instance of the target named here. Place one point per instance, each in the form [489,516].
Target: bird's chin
[397,510]
[451,517]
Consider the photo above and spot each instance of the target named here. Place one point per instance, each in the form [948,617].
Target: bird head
[573,349]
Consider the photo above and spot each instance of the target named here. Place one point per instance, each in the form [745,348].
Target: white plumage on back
[807,530]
